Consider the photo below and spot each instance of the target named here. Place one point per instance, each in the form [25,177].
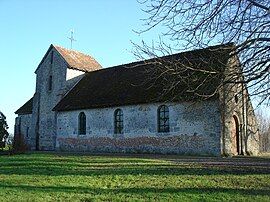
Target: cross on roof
[71,38]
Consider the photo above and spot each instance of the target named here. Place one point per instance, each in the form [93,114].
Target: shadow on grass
[118,157]
[90,190]
[56,169]
[57,165]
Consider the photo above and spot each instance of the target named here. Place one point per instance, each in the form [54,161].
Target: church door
[235,148]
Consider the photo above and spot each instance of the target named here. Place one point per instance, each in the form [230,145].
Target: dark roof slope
[26,108]
[141,82]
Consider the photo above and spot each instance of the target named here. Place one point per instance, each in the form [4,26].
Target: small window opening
[52,57]
[50,83]
[236,98]
[27,132]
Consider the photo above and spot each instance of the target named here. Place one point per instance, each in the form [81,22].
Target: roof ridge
[140,62]
[71,50]
[77,60]
[138,82]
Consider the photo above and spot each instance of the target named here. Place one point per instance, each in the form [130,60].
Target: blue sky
[103,29]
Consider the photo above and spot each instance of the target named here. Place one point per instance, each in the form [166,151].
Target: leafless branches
[197,24]
[264,127]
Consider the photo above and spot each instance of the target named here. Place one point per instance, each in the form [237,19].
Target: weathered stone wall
[22,126]
[230,109]
[43,124]
[252,139]
[194,129]
[235,103]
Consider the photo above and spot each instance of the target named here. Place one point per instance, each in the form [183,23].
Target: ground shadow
[89,190]
[57,165]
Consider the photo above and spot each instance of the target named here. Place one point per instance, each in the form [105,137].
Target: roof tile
[140,82]
[26,108]
[78,60]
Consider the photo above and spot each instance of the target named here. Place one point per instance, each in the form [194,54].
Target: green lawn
[65,177]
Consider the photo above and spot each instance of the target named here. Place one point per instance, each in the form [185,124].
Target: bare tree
[264,128]
[196,24]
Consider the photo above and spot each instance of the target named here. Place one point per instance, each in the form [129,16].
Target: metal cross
[71,38]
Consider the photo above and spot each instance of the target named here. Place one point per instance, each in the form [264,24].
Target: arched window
[82,123]
[118,121]
[163,119]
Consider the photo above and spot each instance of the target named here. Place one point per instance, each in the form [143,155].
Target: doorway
[235,137]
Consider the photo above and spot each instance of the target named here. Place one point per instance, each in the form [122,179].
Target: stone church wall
[194,129]
[252,138]
[23,127]
[44,119]
[235,103]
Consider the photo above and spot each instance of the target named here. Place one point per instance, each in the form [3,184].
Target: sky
[103,29]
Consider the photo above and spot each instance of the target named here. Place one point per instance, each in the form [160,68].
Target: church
[80,106]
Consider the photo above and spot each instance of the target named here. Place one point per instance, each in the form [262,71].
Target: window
[236,99]
[82,124]
[118,121]
[52,57]
[163,119]
[50,83]
[27,132]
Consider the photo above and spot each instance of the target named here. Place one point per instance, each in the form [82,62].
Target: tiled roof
[74,59]
[78,60]
[141,82]
[26,108]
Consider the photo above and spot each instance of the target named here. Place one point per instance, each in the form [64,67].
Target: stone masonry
[225,125]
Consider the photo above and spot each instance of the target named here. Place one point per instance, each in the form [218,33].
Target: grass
[66,177]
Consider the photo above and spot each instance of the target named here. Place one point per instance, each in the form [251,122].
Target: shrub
[19,145]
